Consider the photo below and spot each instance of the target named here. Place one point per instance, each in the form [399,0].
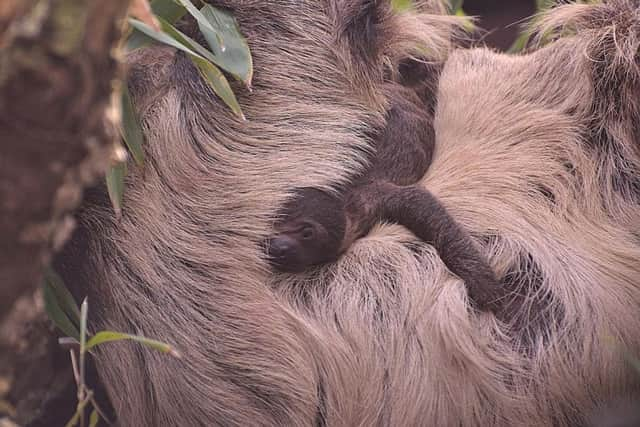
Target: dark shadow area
[500,20]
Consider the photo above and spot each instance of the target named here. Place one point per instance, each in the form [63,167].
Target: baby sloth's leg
[423,214]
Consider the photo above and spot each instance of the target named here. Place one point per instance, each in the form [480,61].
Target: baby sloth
[316,227]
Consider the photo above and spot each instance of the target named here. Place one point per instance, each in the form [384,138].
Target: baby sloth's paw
[485,291]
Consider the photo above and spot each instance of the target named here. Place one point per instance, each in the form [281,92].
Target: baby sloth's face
[309,232]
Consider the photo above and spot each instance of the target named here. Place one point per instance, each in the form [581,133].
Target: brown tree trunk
[56,135]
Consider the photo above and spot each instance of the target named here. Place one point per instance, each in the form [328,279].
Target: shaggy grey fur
[536,154]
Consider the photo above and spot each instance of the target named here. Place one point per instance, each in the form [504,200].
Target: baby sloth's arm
[317,227]
[424,215]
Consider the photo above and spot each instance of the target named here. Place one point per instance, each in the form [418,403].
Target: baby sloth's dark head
[309,232]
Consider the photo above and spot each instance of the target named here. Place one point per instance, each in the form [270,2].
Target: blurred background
[500,20]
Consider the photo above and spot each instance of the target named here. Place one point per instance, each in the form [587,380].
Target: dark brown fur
[317,227]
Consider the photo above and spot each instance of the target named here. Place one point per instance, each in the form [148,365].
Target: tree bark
[57,133]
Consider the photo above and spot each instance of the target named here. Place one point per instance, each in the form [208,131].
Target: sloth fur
[537,155]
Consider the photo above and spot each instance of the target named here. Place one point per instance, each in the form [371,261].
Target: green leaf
[455,6]
[205,27]
[110,336]
[94,418]
[520,43]
[212,74]
[59,305]
[62,294]
[193,46]
[137,40]
[79,414]
[84,308]
[219,84]
[468,23]
[74,420]
[236,58]
[401,5]
[168,10]
[158,36]
[115,185]
[544,4]
[189,43]
[131,130]
[200,57]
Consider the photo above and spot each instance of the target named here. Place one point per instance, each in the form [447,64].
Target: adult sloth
[530,157]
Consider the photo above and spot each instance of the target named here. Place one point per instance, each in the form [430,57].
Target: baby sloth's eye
[307,232]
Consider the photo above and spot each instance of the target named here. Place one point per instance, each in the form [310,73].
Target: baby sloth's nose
[278,247]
